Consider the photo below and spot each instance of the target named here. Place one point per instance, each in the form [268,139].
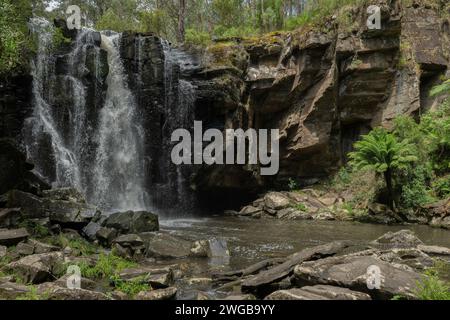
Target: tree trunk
[390,190]
[181,20]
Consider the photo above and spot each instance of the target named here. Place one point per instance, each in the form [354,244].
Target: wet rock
[38,268]
[164,245]
[160,294]
[293,214]
[10,237]
[399,239]
[319,292]
[10,217]
[325,216]
[351,272]
[132,222]
[200,249]
[260,284]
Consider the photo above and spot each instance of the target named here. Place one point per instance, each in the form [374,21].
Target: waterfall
[120,140]
[83,134]
[99,125]
[43,127]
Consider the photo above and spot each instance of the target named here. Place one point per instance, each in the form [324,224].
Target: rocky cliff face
[323,88]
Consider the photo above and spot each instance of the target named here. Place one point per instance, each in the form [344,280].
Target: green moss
[33,294]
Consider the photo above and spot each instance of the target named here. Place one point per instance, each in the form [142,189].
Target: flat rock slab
[351,272]
[11,237]
[400,239]
[160,294]
[163,245]
[260,283]
[319,292]
[52,291]
[434,250]
[156,277]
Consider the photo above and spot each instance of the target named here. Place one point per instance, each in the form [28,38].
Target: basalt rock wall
[322,87]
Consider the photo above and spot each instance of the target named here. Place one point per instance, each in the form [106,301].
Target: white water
[119,161]
[96,151]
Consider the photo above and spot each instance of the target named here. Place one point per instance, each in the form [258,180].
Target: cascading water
[119,162]
[84,138]
[98,126]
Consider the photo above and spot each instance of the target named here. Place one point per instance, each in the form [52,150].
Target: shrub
[197,38]
[131,287]
[432,288]
[106,266]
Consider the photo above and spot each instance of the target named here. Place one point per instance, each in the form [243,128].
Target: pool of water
[250,240]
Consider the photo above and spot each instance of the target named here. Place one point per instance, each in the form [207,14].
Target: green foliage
[380,151]
[130,287]
[197,38]
[14,41]
[36,229]
[292,184]
[301,207]
[81,246]
[443,88]
[441,186]
[111,20]
[106,266]
[415,190]
[431,287]
[33,294]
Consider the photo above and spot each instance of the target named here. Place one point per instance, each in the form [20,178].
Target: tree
[380,151]
[181,21]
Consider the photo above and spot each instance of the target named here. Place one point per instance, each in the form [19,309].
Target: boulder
[260,284]
[31,205]
[160,294]
[70,214]
[32,246]
[10,237]
[351,272]
[318,292]
[155,277]
[86,283]
[249,211]
[132,222]
[399,239]
[164,245]
[90,231]
[276,201]
[64,194]
[38,268]
[53,291]
[434,250]
[129,246]
[10,217]
[106,236]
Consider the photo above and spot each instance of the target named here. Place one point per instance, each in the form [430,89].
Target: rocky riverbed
[133,255]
